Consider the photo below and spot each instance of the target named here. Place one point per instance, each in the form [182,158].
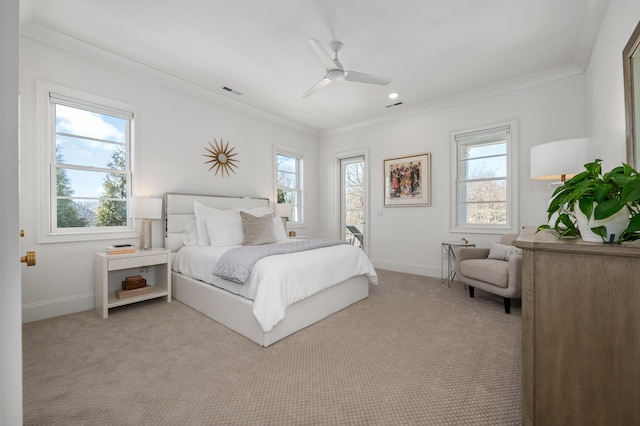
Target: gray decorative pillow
[503,252]
[257,230]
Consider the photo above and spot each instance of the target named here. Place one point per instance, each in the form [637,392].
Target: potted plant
[599,197]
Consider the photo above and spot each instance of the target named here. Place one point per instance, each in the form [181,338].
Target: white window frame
[47,233]
[510,127]
[288,152]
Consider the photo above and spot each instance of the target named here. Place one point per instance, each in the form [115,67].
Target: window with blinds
[90,166]
[484,199]
[289,178]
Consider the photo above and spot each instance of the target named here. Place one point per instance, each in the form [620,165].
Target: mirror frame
[630,95]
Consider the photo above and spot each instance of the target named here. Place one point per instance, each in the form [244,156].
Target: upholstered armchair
[497,270]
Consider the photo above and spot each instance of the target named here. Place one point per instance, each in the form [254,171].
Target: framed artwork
[407,181]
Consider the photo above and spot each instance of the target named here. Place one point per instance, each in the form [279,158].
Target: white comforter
[280,280]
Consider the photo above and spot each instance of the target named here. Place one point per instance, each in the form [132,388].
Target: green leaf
[601,192]
[594,168]
[586,206]
[556,203]
[541,227]
[634,224]
[577,178]
[630,190]
[601,231]
[570,230]
[628,170]
[607,208]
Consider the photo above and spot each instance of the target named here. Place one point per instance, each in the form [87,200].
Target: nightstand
[449,253]
[111,270]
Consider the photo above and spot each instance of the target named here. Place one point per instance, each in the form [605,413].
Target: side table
[110,269]
[449,256]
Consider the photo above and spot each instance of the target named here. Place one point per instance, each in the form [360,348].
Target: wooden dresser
[580,331]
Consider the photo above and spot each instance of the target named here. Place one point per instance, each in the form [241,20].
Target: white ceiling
[431,49]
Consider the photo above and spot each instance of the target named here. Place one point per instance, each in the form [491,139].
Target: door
[352,204]
[10,291]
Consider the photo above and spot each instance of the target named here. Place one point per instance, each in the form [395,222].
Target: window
[89,165]
[289,183]
[484,180]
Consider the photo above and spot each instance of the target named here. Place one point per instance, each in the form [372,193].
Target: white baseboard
[408,268]
[84,302]
[56,307]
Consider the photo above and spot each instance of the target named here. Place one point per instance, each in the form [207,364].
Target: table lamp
[147,209]
[560,160]
[283,211]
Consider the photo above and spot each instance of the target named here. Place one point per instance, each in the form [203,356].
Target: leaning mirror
[631,67]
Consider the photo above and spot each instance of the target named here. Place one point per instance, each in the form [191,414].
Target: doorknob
[29,259]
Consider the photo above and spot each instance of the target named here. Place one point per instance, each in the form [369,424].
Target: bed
[230,305]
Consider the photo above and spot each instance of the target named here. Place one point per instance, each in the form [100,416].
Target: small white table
[449,256]
[110,269]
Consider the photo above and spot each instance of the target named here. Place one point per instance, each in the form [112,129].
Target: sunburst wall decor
[221,157]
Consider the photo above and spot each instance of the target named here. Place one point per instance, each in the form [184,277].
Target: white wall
[176,122]
[604,81]
[408,239]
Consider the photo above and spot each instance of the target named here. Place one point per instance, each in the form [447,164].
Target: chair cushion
[492,271]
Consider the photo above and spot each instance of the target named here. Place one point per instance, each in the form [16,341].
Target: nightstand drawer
[134,262]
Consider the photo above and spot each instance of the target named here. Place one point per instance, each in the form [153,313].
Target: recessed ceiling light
[393,95]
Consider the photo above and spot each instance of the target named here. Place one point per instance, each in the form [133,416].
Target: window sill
[87,236]
[496,230]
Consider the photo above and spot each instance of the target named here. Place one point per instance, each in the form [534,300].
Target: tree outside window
[91,167]
[289,183]
[483,178]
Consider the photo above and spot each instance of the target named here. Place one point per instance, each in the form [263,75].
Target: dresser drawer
[134,262]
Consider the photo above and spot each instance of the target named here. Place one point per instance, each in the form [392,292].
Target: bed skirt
[236,312]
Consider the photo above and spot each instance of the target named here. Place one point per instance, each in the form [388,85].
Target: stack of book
[124,294]
[121,249]
[133,286]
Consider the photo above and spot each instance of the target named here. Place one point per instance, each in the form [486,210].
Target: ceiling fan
[335,70]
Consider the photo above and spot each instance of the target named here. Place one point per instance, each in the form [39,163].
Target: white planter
[615,225]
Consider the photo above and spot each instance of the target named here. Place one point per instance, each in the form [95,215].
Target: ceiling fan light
[394,95]
[335,75]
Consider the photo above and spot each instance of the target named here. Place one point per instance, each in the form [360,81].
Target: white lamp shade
[553,160]
[283,210]
[147,208]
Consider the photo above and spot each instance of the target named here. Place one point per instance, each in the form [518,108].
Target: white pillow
[202,212]
[224,230]
[190,234]
[278,229]
[503,252]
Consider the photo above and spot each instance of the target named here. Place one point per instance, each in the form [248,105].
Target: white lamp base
[145,235]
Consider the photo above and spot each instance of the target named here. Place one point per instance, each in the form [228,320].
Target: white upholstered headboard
[178,210]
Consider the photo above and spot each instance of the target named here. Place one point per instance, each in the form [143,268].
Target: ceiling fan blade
[338,64]
[323,56]
[361,77]
[319,85]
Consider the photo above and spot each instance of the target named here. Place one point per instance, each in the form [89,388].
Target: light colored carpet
[414,353]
